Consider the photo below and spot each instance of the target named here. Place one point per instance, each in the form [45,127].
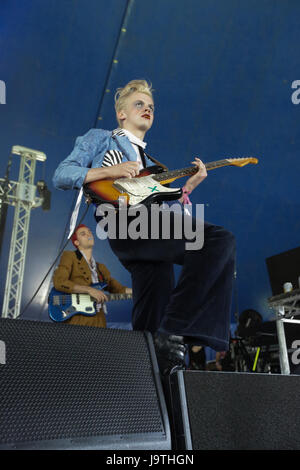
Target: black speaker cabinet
[284,267]
[235,411]
[73,387]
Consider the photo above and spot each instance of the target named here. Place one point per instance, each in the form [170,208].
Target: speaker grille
[67,381]
[239,411]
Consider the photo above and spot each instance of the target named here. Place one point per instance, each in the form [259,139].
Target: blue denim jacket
[88,153]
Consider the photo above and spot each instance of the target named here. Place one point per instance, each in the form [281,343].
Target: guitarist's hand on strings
[125,170]
[198,177]
[194,180]
[122,170]
[97,294]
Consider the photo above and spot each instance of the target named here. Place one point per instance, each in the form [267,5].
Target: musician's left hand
[198,177]
[97,294]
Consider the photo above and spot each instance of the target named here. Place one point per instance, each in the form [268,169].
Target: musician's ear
[121,115]
[76,243]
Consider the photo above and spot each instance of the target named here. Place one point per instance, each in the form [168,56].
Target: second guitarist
[77,270]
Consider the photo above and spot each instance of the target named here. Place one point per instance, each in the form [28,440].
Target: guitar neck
[60,299]
[191,170]
[118,296]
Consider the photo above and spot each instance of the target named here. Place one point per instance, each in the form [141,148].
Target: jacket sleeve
[71,172]
[113,286]
[62,274]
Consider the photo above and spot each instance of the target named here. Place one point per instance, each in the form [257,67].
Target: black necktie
[142,154]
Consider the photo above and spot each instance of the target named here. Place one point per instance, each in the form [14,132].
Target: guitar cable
[54,262]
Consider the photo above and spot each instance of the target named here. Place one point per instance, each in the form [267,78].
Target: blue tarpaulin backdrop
[222,71]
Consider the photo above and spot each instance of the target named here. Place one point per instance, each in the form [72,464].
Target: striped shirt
[114,157]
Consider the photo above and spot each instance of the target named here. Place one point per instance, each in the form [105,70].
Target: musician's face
[85,238]
[138,112]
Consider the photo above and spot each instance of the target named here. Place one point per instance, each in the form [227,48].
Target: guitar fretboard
[188,171]
[119,296]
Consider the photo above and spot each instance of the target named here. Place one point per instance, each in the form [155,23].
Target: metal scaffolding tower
[22,195]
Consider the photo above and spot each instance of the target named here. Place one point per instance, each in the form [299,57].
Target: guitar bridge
[141,188]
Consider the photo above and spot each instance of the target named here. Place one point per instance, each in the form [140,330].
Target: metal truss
[288,303]
[22,195]
[286,306]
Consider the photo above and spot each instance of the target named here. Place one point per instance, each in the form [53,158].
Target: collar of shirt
[93,267]
[133,139]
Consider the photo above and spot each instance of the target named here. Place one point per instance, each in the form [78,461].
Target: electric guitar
[63,306]
[148,187]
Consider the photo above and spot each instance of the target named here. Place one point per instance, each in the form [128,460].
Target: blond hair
[121,95]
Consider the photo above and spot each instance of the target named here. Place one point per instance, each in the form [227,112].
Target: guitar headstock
[242,161]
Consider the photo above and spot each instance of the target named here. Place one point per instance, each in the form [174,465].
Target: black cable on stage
[60,248]
[53,264]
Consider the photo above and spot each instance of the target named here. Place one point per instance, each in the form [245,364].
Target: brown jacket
[73,269]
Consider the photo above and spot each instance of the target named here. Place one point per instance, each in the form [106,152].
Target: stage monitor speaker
[282,268]
[74,387]
[235,411]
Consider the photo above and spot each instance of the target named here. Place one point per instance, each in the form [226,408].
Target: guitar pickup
[89,309]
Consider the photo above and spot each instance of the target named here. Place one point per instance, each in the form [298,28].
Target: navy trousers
[199,306]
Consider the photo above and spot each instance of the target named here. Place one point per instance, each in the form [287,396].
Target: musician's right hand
[97,294]
[124,170]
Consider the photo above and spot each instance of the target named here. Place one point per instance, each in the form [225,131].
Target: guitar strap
[100,275]
[156,162]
